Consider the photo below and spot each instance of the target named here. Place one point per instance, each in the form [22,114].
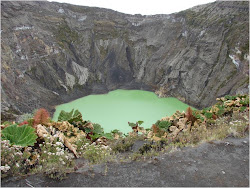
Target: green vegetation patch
[22,136]
[64,34]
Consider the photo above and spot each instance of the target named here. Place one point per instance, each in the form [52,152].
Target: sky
[144,7]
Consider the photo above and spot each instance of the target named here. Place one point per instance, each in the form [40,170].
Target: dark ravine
[53,53]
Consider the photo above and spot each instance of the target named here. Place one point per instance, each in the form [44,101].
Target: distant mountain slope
[53,53]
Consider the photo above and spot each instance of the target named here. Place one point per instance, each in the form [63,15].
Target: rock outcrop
[53,53]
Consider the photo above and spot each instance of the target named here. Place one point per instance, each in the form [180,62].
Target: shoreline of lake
[118,107]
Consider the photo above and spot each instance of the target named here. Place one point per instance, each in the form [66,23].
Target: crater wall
[52,53]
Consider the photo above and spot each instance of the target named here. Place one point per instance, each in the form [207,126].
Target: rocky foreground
[218,163]
[180,150]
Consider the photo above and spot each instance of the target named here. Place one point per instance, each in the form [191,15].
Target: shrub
[41,116]
[13,161]
[145,148]
[55,160]
[96,153]
[22,136]
[123,145]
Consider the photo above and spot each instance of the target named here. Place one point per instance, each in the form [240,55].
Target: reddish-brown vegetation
[155,129]
[41,117]
[23,123]
[189,115]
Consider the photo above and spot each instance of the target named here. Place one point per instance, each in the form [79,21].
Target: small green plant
[80,143]
[164,125]
[197,115]
[208,115]
[228,97]
[242,108]
[145,148]
[7,123]
[116,131]
[97,129]
[98,132]
[123,145]
[96,153]
[133,125]
[140,122]
[22,136]
[245,102]
[221,110]
[71,117]
[206,110]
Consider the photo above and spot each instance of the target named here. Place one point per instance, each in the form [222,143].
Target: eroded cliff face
[53,53]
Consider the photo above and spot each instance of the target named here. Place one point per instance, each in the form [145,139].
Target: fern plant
[22,136]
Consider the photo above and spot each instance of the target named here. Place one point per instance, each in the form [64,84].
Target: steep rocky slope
[53,53]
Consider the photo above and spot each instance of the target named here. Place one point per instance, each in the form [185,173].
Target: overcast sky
[144,7]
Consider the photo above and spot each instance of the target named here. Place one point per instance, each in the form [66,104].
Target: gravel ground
[219,163]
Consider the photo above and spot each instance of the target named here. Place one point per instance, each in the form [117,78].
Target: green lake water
[115,109]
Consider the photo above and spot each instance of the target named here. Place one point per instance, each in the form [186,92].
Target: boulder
[182,123]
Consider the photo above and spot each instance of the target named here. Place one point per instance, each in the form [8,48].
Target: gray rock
[76,50]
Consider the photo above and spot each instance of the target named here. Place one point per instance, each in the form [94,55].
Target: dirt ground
[218,163]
